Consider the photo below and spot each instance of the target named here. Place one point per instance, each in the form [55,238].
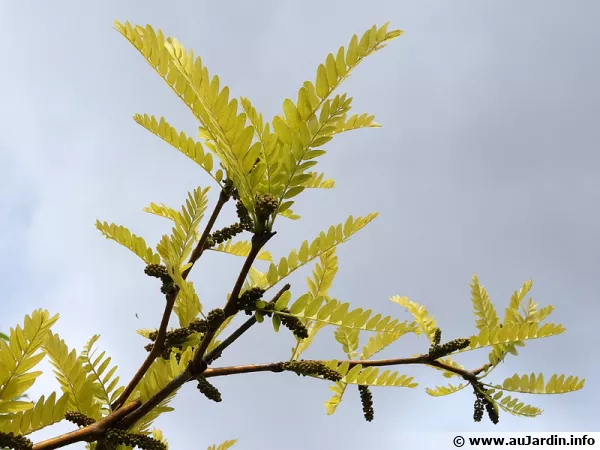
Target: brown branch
[158,346]
[223,198]
[198,364]
[185,376]
[258,242]
[169,388]
[481,369]
[90,433]
[276,367]
[241,330]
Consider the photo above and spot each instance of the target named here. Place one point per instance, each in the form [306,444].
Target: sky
[485,165]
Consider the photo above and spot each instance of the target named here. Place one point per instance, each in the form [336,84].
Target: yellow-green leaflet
[513,333]
[74,379]
[186,145]
[241,248]
[176,249]
[534,384]
[371,376]
[439,391]
[426,323]
[106,389]
[223,446]
[187,305]
[45,412]
[324,242]
[124,237]
[158,435]
[160,373]
[19,354]
[512,405]
[482,305]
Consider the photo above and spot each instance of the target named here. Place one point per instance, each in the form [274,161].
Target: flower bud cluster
[173,339]
[438,351]
[160,271]
[176,338]
[247,301]
[229,189]
[211,392]
[222,235]
[244,216]
[292,323]
[166,354]
[198,326]
[245,222]
[214,319]
[366,399]
[116,437]
[15,442]
[213,357]
[311,368]
[78,418]
[437,336]
[266,205]
[483,401]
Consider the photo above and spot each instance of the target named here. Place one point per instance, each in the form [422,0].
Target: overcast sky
[487,164]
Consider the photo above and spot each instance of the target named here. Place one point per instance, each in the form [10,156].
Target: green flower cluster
[224,234]
[176,338]
[199,326]
[116,437]
[478,410]
[292,323]
[244,216]
[229,188]
[247,301]
[311,368]
[15,442]
[160,271]
[483,401]
[438,351]
[78,418]
[211,392]
[214,319]
[266,205]
[213,357]
[366,399]
[179,335]
[166,354]
[437,336]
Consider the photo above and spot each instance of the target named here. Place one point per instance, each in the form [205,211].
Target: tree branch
[241,330]
[90,433]
[144,409]
[186,375]
[158,346]
[198,364]
[276,367]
